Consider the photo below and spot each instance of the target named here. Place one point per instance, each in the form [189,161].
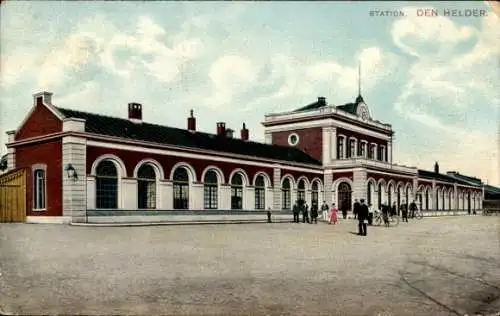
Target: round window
[293,139]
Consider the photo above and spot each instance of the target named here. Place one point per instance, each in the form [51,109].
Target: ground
[433,266]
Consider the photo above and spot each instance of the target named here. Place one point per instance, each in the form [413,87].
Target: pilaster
[270,198]
[11,152]
[268,138]
[333,144]
[225,197]
[166,192]
[74,189]
[129,194]
[326,143]
[249,198]
[196,196]
[91,201]
[454,205]
[359,190]
[327,189]
[277,188]
[389,152]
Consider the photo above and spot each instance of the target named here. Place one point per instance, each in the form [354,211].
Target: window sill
[39,210]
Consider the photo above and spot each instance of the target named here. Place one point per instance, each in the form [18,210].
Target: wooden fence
[13,196]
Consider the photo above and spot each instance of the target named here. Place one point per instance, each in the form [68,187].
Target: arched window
[237,192]
[437,199]
[181,189]
[210,189]
[371,152]
[340,147]
[285,195]
[106,185]
[369,193]
[449,199]
[260,193]
[407,196]
[443,200]
[146,187]
[301,191]
[389,194]
[39,189]
[379,193]
[315,194]
[362,149]
[427,199]
[352,148]
[398,198]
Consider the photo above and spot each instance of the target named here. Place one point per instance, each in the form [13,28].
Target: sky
[435,79]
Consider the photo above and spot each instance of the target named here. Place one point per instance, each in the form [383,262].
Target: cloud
[427,36]
[445,97]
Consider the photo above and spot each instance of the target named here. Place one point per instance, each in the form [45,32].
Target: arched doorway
[344,196]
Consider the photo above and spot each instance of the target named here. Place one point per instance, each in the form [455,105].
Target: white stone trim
[246,181]
[189,168]
[160,174]
[293,185]
[73,125]
[306,181]
[267,179]
[218,172]
[120,166]
[205,157]
[336,183]
[290,139]
[327,122]
[34,168]
[48,219]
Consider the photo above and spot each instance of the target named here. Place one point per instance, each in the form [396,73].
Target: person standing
[393,209]
[362,218]
[404,212]
[370,214]
[385,214]
[333,215]
[314,213]
[324,210]
[356,208]
[296,212]
[304,213]
[344,210]
[413,209]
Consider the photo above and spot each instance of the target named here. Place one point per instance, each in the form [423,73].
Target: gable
[40,121]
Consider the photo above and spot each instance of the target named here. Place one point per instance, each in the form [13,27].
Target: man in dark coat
[356,208]
[404,212]
[394,209]
[362,218]
[305,212]
[314,213]
[296,210]
[413,208]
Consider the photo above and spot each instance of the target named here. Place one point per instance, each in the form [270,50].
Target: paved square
[435,266]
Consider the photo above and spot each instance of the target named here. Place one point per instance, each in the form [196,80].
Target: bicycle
[378,219]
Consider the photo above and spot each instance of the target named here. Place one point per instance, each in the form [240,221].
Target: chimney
[322,101]
[229,133]
[221,129]
[244,132]
[42,98]
[191,122]
[135,112]
[436,167]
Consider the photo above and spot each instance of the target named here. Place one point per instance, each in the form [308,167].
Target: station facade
[82,162]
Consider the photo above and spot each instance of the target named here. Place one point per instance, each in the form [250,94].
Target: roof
[442,177]
[124,128]
[456,175]
[350,108]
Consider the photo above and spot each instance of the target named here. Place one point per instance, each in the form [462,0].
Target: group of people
[362,212]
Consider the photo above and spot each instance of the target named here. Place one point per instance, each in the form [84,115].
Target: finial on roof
[359,78]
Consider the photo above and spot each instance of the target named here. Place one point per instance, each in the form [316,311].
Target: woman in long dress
[333,215]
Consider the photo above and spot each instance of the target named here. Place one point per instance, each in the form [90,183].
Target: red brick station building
[86,167]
